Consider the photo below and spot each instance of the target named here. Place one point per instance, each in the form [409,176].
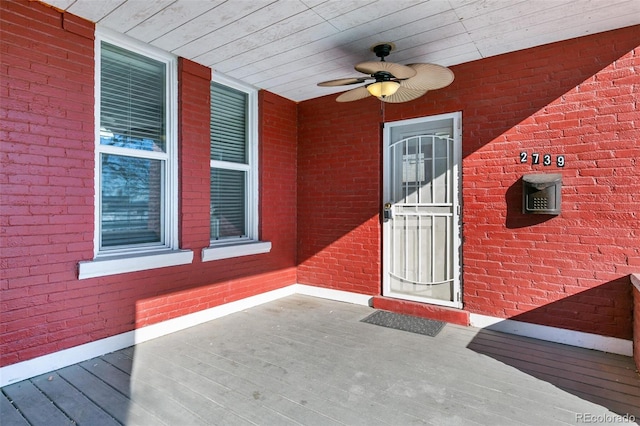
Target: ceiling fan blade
[397,70]
[403,95]
[344,81]
[428,77]
[354,94]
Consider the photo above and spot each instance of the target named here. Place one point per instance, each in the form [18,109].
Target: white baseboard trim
[553,334]
[337,295]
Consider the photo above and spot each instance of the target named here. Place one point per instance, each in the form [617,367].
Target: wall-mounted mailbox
[541,193]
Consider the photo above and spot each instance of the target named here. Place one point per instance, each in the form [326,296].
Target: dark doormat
[403,322]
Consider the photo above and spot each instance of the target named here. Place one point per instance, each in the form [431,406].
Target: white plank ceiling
[288,46]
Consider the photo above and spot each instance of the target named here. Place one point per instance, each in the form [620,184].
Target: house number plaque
[545,159]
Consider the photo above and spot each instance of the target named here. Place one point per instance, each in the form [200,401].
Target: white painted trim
[554,334]
[34,367]
[337,295]
[635,280]
[235,250]
[132,262]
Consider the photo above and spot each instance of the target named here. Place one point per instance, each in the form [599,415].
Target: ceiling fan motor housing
[382,50]
[382,76]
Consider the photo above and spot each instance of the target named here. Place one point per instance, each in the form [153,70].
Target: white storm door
[421,230]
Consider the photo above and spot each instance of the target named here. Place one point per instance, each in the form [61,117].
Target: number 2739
[546,159]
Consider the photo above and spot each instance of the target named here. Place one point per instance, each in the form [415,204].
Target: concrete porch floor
[308,361]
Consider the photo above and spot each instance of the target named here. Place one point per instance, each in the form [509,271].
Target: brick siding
[47,190]
[339,195]
[576,98]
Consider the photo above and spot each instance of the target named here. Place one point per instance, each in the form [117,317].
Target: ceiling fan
[392,83]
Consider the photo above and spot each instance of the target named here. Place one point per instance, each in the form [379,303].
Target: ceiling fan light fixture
[382,89]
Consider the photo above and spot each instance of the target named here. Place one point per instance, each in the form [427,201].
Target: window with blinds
[132,151]
[231,166]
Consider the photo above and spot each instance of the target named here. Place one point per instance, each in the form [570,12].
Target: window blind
[227,204]
[228,124]
[132,99]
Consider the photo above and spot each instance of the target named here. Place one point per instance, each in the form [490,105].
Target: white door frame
[456,242]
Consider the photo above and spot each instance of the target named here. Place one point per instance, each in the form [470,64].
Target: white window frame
[130,259]
[227,248]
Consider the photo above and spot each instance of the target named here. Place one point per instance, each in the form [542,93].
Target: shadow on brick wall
[605,310]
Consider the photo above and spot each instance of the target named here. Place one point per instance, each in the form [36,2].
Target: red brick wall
[576,98]
[339,195]
[46,180]
[278,173]
[47,189]
[193,92]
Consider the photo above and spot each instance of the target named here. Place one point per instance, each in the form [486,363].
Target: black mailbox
[541,193]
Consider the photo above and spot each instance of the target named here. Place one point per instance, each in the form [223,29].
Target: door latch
[387,214]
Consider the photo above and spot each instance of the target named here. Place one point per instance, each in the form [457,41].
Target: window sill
[132,263]
[227,251]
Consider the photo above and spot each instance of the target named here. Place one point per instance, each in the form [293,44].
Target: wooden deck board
[302,360]
[36,407]
[72,402]
[109,374]
[10,414]
[117,404]
[101,394]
